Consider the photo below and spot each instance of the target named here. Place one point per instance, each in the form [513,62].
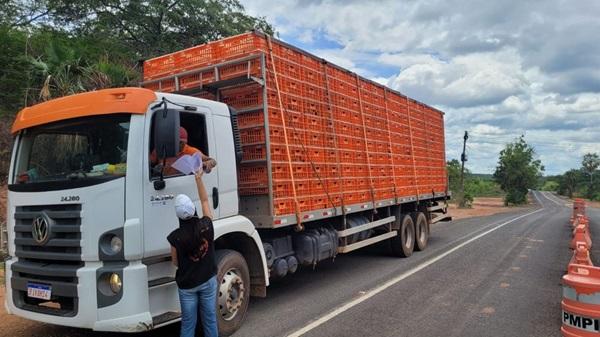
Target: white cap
[184,207]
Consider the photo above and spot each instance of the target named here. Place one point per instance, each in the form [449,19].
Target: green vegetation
[476,185]
[517,171]
[52,48]
[580,183]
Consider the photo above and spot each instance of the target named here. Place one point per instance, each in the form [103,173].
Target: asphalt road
[489,276]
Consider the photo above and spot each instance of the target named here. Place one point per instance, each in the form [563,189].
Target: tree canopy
[517,171]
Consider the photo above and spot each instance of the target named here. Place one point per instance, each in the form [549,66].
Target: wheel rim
[231,294]
[408,238]
[421,233]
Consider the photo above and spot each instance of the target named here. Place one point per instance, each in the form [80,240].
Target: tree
[569,181]
[453,167]
[517,171]
[156,27]
[589,165]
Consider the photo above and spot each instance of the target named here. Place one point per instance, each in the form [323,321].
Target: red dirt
[481,207]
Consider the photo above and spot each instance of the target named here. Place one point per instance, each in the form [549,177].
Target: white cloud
[498,69]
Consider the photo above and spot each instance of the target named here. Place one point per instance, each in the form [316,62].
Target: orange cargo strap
[428,149]
[335,144]
[390,150]
[412,147]
[285,135]
[362,118]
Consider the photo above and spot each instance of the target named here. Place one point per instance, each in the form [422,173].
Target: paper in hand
[187,164]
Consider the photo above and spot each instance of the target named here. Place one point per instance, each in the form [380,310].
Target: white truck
[89,213]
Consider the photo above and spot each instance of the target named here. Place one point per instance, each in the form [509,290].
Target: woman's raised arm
[206,210]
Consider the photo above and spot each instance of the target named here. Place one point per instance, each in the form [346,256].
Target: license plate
[40,291]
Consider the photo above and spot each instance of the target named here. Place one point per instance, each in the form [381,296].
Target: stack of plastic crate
[349,140]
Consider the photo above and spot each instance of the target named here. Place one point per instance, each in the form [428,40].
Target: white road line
[551,199]
[377,290]
[536,198]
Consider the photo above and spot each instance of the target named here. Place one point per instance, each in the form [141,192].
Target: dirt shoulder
[482,207]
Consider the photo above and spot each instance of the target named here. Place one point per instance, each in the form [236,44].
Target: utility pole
[463,159]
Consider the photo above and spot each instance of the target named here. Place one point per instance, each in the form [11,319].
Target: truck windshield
[89,148]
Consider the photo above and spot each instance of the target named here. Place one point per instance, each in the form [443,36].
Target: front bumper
[130,314]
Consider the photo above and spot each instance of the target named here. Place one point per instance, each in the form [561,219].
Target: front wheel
[233,290]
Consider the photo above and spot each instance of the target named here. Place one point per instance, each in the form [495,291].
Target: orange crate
[302,171]
[282,189]
[283,206]
[194,57]
[302,187]
[350,198]
[254,152]
[316,108]
[237,46]
[313,92]
[317,186]
[159,67]
[304,203]
[347,156]
[275,117]
[251,119]
[293,103]
[280,171]
[279,153]
[320,202]
[253,190]
[195,80]
[315,138]
[251,68]
[244,97]
[316,155]
[249,136]
[255,175]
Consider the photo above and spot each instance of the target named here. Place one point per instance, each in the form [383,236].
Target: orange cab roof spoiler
[101,102]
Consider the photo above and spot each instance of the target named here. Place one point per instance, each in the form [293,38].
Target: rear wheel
[421,230]
[403,244]
[233,290]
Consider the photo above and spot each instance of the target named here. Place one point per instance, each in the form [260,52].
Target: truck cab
[89,212]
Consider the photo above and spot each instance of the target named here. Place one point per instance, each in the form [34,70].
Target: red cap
[183,134]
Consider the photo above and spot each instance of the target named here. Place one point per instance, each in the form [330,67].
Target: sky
[498,69]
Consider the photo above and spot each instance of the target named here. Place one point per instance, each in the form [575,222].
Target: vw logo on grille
[40,229]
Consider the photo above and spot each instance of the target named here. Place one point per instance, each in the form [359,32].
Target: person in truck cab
[193,253]
[208,163]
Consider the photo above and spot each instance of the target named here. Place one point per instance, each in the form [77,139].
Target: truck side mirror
[166,133]
[166,139]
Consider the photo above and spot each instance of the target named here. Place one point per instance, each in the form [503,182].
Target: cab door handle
[215,196]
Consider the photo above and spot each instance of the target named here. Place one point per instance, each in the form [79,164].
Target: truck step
[164,318]
[363,243]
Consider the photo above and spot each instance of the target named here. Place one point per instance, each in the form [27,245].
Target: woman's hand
[198,174]
[208,164]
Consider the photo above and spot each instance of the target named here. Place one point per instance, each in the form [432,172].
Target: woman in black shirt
[193,253]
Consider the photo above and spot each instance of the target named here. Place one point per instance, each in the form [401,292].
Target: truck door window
[194,125]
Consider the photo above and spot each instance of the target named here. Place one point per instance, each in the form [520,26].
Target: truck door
[159,214]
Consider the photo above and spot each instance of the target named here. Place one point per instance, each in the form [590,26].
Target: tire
[403,244]
[421,230]
[233,282]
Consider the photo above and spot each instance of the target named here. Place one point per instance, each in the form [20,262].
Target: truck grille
[54,262]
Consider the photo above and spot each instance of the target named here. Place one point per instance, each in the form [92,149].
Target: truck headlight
[116,244]
[115,283]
